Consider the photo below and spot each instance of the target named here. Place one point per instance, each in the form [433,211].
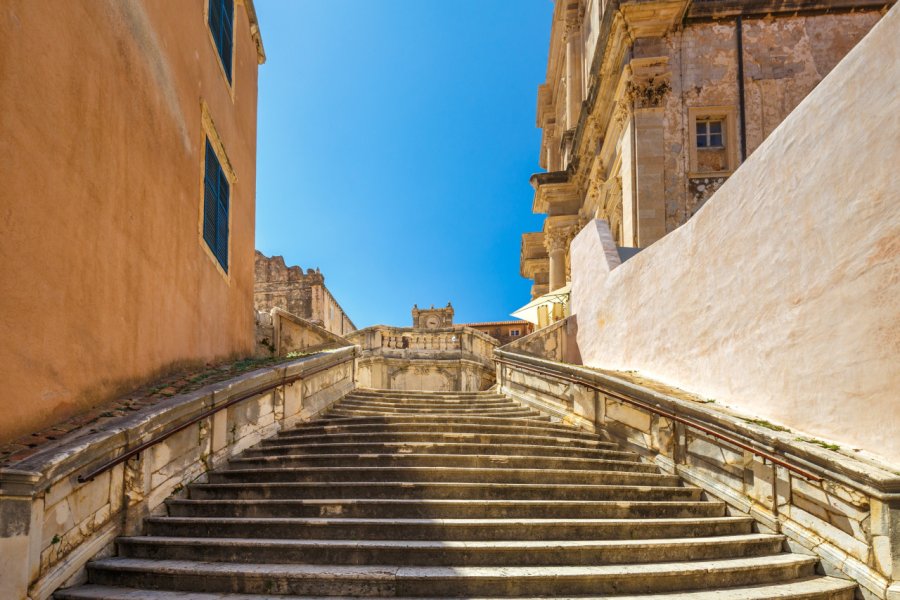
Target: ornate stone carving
[649,93]
[621,113]
[558,238]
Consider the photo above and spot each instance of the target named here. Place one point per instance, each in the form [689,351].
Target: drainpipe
[739,34]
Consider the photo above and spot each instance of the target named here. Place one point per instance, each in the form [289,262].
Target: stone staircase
[439,495]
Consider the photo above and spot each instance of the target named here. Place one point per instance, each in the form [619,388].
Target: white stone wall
[780,297]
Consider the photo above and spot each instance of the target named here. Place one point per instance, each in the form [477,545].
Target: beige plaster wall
[779,298]
[105,280]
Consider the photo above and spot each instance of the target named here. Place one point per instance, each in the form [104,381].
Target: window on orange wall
[216,192]
[221,24]
[514,333]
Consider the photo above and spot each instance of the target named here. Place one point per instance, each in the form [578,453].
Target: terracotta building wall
[105,281]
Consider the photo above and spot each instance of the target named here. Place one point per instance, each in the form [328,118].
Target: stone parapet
[52,523]
[850,519]
[444,359]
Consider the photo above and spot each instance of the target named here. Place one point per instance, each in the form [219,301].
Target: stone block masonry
[300,293]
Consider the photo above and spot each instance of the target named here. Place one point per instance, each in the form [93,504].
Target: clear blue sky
[396,138]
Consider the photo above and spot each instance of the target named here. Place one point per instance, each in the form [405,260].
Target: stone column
[648,90]
[573,68]
[557,241]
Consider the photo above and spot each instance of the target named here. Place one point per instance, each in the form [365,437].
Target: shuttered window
[221,20]
[216,192]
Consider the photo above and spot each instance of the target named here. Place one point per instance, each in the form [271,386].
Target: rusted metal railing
[662,413]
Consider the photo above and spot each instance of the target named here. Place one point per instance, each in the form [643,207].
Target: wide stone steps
[440,460]
[451,474]
[403,508]
[449,553]
[557,439]
[447,495]
[809,588]
[431,582]
[462,448]
[440,413]
[447,529]
[409,402]
[440,490]
[420,394]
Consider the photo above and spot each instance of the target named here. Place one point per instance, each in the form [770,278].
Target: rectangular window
[216,192]
[221,20]
[514,333]
[709,134]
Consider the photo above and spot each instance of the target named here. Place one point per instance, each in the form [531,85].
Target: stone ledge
[863,473]
[79,449]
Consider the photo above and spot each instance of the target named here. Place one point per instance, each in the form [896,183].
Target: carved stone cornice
[652,18]
[554,193]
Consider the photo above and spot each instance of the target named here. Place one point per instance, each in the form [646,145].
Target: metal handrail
[666,414]
[109,464]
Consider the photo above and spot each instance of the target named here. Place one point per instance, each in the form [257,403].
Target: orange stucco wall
[104,281]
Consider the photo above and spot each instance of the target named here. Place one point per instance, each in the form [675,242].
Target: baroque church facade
[648,107]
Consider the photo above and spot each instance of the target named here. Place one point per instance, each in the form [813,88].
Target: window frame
[229,78]
[708,134]
[216,199]
[210,135]
[730,141]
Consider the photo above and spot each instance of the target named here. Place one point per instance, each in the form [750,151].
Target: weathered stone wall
[299,293]
[58,523]
[784,59]
[850,519]
[555,342]
[279,333]
[446,359]
[504,332]
[106,280]
[779,297]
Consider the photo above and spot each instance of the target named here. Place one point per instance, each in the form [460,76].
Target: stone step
[367,508]
[511,412]
[423,394]
[430,402]
[439,437]
[447,529]
[439,491]
[413,409]
[438,448]
[441,474]
[416,423]
[448,553]
[440,460]
[541,422]
[392,581]
[809,588]
[484,401]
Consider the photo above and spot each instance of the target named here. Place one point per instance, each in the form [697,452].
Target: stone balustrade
[850,519]
[51,524]
[403,358]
